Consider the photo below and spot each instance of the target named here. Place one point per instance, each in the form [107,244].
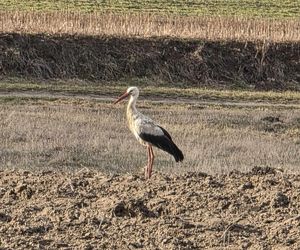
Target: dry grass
[80,133]
[152,25]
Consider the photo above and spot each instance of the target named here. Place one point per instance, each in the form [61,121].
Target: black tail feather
[177,153]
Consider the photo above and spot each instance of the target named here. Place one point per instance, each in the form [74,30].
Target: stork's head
[131,91]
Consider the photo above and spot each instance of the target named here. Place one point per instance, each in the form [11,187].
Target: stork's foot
[146,172]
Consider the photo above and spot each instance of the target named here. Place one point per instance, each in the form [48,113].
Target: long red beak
[121,97]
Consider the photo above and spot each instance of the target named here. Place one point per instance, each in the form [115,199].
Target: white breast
[140,124]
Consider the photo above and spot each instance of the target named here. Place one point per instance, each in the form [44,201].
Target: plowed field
[91,210]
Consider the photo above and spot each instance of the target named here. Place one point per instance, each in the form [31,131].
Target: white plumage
[147,132]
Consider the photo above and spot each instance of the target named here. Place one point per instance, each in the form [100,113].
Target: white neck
[131,104]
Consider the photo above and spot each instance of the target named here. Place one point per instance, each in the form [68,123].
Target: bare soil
[90,210]
[152,99]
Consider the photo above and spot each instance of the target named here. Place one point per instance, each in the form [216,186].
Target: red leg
[151,162]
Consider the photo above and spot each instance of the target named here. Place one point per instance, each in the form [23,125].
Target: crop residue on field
[89,209]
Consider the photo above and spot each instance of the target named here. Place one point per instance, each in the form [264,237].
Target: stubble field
[74,133]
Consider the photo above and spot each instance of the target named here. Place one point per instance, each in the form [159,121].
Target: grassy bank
[158,61]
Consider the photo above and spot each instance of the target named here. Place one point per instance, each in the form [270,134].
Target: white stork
[147,132]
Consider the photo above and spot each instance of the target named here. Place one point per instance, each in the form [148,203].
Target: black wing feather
[165,132]
[165,143]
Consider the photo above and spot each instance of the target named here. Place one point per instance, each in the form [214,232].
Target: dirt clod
[4,217]
[263,170]
[246,185]
[271,119]
[280,200]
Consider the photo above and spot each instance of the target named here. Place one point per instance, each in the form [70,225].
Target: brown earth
[168,61]
[90,210]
